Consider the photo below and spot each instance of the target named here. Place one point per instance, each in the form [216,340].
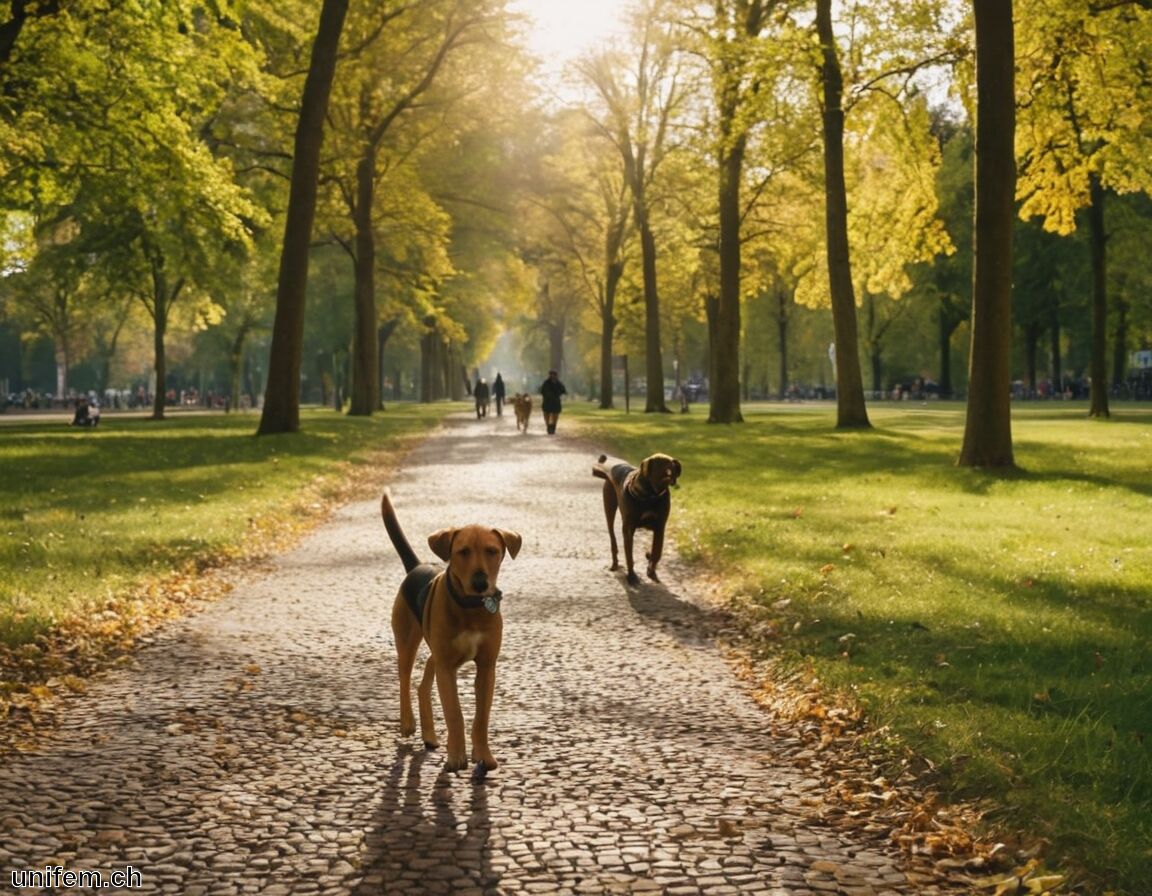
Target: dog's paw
[652,574]
[486,759]
[633,579]
[431,745]
[455,762]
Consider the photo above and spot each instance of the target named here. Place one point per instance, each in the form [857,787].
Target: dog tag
[492,604]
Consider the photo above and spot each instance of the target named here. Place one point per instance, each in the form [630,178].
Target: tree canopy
[748,200]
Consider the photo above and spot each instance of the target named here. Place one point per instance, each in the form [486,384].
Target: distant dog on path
[457,612]
[522,405]
[641,493]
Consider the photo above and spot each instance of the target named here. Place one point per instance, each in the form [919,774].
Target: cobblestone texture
[253,747]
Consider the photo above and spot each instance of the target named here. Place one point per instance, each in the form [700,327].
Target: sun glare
[562,30]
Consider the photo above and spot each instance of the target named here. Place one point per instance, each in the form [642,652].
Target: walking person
[551,390]
[498,394]
[480,393]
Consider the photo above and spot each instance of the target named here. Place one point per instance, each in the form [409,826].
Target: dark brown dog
[641,493]
[457,612]
[522,405]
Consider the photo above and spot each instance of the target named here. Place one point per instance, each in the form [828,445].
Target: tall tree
[737,78]
[1083,135]
[851,411]
[638,103]
[281,411]
[112,104]
[988,423]
[404,52]
[579,216]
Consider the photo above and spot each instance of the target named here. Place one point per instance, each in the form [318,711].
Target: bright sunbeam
[562,30]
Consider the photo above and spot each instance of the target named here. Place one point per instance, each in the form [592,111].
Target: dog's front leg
[453,717]
[424,693]
[654,554]
[485,691]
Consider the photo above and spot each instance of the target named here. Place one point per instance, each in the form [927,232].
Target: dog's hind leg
[406,634]
[424,694]
[610,505]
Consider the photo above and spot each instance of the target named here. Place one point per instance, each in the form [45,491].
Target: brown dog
[522,404]
[644,501]
[457,612]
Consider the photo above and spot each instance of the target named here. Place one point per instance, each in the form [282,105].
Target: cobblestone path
[253,747]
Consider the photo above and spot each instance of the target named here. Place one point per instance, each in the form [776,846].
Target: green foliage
[1082,102]
[999,625]
[90,516]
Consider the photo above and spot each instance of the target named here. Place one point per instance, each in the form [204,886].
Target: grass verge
[998,624]
[108,532]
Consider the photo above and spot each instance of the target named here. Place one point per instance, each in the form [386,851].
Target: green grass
[90,517]
[998,623]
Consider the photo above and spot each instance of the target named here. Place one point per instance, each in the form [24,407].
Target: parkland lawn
[997,624]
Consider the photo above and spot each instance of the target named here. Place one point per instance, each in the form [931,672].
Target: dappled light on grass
[110,533]
[997,625]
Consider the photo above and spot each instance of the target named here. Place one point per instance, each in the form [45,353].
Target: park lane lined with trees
[343,203]
[720,193]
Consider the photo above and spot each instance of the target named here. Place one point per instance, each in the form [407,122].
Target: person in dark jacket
[498,394]
[480,393]
[551,390]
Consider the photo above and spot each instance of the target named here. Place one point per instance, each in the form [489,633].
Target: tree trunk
[612,277]
[281,411]
[161,308]
[1120,345]
[1098,238]
[988,426]
[724,397]
[556,344]
[383,333]
[782,340]
[654,359]
[949,320]
[1031,341]
[1056,369]
[159,358]
[851,411]
[365,393]
[235,367]
[428,361]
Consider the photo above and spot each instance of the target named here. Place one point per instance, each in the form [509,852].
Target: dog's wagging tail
[396,534]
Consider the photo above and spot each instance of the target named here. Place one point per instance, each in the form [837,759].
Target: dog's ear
[643,467]
[441,543]
[677,469]
[512,541]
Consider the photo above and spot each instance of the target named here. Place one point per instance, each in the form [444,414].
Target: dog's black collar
[490,603]
[641,489]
